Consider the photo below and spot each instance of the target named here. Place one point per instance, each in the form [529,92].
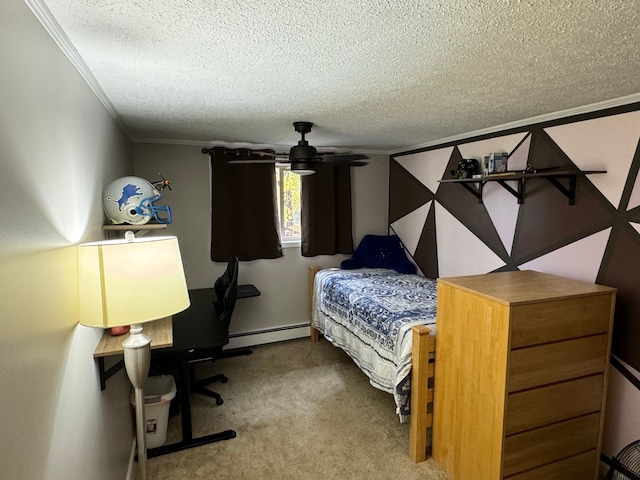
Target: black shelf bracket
[108,373]
[553,176]
[476,192]
[570,192]
[519,193]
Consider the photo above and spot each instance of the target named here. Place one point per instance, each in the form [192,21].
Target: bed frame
[423,348]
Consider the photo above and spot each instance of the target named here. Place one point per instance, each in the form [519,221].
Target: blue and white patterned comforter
[369,314]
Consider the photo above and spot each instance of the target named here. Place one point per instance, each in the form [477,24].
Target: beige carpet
[301,411]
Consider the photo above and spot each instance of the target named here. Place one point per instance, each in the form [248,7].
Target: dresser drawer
[541,406]
[535,448]
[578,467]
[537,323]
[556,362]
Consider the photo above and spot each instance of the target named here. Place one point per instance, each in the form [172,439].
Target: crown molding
[46,18]
[593,107]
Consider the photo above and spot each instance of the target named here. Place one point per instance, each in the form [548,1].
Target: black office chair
[226,287]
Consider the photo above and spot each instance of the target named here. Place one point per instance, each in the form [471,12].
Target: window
[289,201]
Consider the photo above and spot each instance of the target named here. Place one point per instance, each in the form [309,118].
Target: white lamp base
[137,359]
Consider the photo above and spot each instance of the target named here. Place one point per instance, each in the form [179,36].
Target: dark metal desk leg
[185,402]
[235,353]
[187,431]
[108,373]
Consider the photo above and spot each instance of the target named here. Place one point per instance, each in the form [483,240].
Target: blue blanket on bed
[369,314]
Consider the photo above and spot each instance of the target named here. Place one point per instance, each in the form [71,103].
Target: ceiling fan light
[303,173]
[303,168]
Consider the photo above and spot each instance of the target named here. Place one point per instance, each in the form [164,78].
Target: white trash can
[158,393]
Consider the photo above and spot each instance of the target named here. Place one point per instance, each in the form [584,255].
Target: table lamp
[129,282]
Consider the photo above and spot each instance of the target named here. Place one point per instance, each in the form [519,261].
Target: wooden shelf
[476,185]
[114,231]
[159,331]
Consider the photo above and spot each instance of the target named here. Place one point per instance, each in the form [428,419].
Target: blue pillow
[380,251]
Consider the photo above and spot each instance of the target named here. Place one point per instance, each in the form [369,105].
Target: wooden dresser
[520,376]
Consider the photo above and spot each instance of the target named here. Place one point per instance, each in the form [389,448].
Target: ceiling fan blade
[267,153]
[247,161]
[352,159]
[301,157]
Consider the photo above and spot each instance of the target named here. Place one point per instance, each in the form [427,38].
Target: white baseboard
[250,339]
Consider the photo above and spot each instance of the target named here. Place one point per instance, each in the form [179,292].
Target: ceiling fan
[303,157]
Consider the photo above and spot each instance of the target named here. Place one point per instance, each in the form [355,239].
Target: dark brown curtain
[244,219]
[326,211]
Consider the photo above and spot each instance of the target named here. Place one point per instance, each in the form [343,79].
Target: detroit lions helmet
[131,200]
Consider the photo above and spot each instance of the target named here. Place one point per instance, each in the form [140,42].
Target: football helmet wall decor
[131,200]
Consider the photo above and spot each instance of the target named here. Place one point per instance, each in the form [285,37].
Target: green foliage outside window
[289,200]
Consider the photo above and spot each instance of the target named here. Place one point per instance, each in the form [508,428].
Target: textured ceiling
[371,74]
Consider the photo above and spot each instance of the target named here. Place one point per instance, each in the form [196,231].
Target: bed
[385,321]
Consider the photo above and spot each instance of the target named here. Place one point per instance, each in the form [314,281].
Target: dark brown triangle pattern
[463,205]
[634,215]
[426,254]
[561,223]
[406,192]
[621,269]
[632,179]
[546,222]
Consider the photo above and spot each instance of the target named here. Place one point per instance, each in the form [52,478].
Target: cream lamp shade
[123,282]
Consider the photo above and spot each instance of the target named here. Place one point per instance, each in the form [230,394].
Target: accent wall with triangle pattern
[449,232]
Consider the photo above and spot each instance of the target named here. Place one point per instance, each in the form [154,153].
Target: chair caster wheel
[224,380]
[219,401]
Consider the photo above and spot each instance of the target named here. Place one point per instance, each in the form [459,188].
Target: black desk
[246,291]
[195,336]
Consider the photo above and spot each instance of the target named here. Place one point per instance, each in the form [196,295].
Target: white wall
[283,282]
[58,148]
